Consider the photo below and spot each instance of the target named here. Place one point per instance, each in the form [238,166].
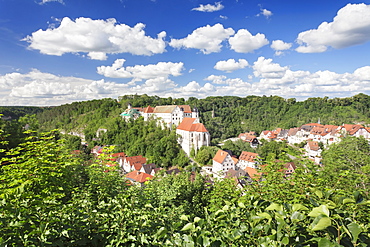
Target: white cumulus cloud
[279,46]
[209,7]
[96,38]
[351,26]
[216,79]
[231,65]
[243,41]
[266,68]
[138,72]
[208,39]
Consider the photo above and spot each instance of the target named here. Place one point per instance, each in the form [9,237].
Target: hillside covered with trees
[223,116]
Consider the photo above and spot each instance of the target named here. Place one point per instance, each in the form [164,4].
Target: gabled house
[149,169]
[192,135]
[132,163]
[356,130]
[249,137]
[289,168]
[247,159]
[268,135]
[313,151]
[222,162]
[292,136]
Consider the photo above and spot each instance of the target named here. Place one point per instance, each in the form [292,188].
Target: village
[192,135]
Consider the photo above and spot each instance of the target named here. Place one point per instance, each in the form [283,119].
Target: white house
[192,134]
[132,163]
[313,151]
[222,162]
[247,159]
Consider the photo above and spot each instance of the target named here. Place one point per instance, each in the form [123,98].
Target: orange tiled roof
[266,132]
[137,176]
[352,128]
[235,160]
[189,125]
[149,109]
[248,156]
[272,136]
[277,131]
[253,173]
[220,156]
[313,145]
[186,108]
[248,137]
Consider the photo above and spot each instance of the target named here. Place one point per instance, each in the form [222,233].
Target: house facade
[132,163]
[222,162]
[247,159]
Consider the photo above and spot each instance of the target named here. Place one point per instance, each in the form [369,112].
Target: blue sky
[54,52]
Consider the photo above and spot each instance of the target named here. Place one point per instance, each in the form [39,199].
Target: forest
[232,115]
[50,196]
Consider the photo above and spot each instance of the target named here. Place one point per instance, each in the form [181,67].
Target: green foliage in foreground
[47,198]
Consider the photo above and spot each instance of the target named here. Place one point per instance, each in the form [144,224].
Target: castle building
[170,114]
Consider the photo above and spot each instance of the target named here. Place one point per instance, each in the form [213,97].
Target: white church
[192,135]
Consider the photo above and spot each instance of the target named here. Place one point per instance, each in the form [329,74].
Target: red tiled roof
[122,154]
[189,125]
[248,156]
[140,177]
[220,156]
[140,109]
[136,161]
[235,160]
